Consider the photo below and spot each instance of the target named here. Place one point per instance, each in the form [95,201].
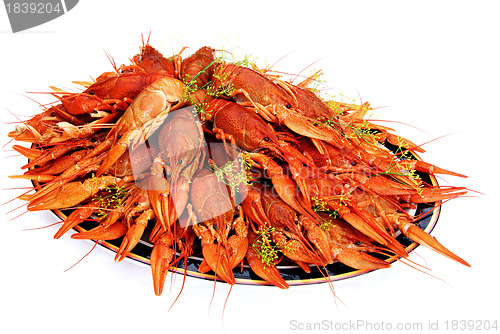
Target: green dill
[265,249]
[111,198]
[412,175]
[315,81]
[319,205]
[200,109]
[246,62]
[224,88]
[395,171]
[233,173]
[330,121]
[268,251]
[325,225]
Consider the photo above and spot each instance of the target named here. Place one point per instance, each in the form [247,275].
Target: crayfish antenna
[83,257]
[183,282]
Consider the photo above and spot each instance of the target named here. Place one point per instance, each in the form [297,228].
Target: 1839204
[471,325]
[33,7]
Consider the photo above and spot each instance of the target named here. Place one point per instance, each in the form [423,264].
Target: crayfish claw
[75,218]
[318,237]
[69,194]
[115,231]
[237,248]
[267,272]
[423,238]
[360,260]
[161,258]
[134,234]
[216,258]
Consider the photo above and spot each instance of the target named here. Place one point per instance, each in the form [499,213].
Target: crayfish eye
[353,163]
[296,222]
[287,229]
[288,106]
[93,139]
[357,243]
[266,139]
[167,163]
[136,203]
[180,162]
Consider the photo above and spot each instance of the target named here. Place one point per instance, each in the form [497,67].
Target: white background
[433,65]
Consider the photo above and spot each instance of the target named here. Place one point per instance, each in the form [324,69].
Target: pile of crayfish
[228,161]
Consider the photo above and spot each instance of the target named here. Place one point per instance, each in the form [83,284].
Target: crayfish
[205,156]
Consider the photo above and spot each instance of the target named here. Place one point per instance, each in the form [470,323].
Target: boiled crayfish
[229,162]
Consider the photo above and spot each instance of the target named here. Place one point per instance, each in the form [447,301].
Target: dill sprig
[233,173]
[110,198]
[319,204]
[225,88]
[394,170]
[265,249]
